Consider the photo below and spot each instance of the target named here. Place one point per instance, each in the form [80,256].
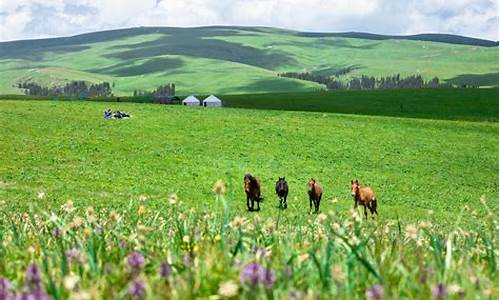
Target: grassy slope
[230,60]
[67,150]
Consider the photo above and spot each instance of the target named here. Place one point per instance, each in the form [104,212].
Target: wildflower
[71,282]
[135,261]
[355,215]
[237,222]
[253,274]
[186,260]
[338,273]
[33,277]
[336,226]
[219,187]
[186,239]
[250,274]
[303,257]
[31,250]
[172,199]
[141,210]
[335,200]
[137,289]
[68,206]
[72,255]
[217,238]
[4,289]
[228,289]
[143,198]
[439,292]
[455,289]
[114,216]
[165,270]
[376,292]
[41,195]
[267,277]
[354,241]
[76,223]
[322,217]
[411,232]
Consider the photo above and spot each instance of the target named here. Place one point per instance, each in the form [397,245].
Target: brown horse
[364,196]
[315,192]
[252,189]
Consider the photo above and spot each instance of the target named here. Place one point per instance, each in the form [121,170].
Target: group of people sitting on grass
[116,115]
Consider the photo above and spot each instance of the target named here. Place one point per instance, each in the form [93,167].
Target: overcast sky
[21,19]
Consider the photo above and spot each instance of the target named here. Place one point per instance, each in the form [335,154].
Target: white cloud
[21,19]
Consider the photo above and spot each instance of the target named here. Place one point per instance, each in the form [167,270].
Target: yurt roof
[191,99]
[212,98]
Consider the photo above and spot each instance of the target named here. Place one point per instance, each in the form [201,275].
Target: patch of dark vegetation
[475,80]
[166,90]
[199,44]
[369,83]
[75,89]
[429,37]
[439,104]
[154,65]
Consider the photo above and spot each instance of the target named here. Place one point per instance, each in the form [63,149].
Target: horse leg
[258,205]
[374,205]
[366,214]
[310,203]
[248,203]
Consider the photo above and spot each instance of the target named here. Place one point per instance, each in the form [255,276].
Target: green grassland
[91,201]
[227,60]
[416,165]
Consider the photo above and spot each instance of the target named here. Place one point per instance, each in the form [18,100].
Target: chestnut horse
[315,192]
[364,196]
[282,191]
[252,189]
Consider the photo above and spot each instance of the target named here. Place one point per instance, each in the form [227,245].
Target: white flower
[71,281]
[41,195]
[228,289]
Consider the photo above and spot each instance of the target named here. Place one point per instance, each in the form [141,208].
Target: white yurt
[191,101]
[212,101]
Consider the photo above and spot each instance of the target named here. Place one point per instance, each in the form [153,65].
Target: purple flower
[135,261]
[376,292]
[187,259]
[137,289]
[165,270]
[254,274]
[33,277]
[4,289]
[250,274]
[439,292]
[38,295]
[72,255]
[267,277]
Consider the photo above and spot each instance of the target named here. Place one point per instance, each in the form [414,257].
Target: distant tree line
[78,89]
[166,90]
[369,82]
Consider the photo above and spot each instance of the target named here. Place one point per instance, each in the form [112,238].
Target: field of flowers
[141,252]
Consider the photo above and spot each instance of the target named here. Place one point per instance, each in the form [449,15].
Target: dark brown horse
[282,191]
[364,196]
[315,192]
[252,189]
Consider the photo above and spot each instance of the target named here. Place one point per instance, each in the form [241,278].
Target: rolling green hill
[237,60]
